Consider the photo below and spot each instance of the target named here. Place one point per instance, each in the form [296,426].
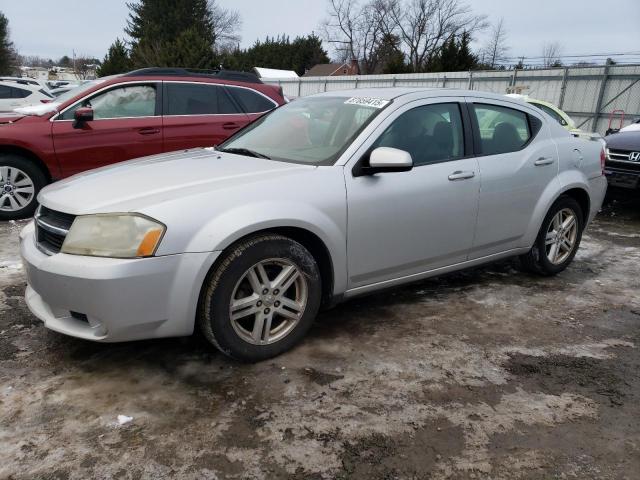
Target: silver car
[328,197]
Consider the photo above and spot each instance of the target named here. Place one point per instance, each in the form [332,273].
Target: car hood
[136,184]
[624,141]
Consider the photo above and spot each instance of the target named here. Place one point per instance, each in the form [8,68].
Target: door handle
[460,175]
[543,161]
[148,131]
[230,126]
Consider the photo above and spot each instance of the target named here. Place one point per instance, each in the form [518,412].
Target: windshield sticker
[367,102]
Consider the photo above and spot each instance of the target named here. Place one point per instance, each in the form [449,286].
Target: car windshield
[313,130]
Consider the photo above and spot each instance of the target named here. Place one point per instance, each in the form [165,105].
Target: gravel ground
[489,373]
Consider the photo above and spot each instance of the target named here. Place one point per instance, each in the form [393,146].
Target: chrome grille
[623,157]
[51,229]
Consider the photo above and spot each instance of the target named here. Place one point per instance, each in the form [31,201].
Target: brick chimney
[354,66]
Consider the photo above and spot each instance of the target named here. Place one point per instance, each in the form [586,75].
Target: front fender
[231,225]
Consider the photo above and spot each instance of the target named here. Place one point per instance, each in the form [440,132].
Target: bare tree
[551,53]
[342,28]
[84,67]
[424,25]
[495,50]
[226,26]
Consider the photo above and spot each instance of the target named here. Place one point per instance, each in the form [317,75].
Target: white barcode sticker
[367,102]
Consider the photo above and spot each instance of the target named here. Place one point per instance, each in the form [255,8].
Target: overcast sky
[55,28]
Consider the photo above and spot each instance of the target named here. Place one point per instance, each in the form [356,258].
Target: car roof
[26,86]
[392,93]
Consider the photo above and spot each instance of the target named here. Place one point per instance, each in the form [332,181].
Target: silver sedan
[325,198]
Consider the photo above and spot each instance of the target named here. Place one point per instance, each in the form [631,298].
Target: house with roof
[333,69]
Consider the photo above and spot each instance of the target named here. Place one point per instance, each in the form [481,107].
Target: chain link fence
[592,96]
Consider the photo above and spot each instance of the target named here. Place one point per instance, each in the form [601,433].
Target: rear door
[198,114]
[127,124]
[518,160]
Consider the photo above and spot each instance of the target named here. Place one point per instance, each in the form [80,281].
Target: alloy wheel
[16,189]
[561,236]
[268,301]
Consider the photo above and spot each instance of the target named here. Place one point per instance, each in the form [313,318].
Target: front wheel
[558,239]
[20,182]
[261,299]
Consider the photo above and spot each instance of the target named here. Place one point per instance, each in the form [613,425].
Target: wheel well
[311,242]
[582,197]
[23,152]
[318,249]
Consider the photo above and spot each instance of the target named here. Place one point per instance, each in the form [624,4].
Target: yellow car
[558,115]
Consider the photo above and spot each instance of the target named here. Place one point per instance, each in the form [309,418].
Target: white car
[32,82]
[632,127]
[15,95]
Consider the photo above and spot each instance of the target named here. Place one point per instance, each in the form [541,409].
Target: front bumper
[618,177]
[113,300]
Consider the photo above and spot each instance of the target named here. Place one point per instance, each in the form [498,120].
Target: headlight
[119,235]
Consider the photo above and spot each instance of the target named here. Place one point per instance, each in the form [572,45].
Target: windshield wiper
[245,151]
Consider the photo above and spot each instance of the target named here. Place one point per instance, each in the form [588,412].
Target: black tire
[213,314]
[536,260]
[35,174]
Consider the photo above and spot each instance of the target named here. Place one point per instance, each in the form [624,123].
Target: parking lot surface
[488,373]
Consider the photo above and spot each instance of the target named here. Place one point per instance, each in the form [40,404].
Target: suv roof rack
[190,72]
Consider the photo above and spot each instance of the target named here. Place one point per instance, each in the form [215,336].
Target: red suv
[109,120]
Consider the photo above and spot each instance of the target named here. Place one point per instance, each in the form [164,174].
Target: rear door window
[502,129]
[5,92]
[197,99]
[251,101]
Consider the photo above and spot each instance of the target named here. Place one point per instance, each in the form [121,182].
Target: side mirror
[387,159]
[82,115]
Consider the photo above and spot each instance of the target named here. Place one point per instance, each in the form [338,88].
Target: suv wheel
[558,239]
[20,182]
[261,299]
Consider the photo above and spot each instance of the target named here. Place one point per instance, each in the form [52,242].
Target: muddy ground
[489,373]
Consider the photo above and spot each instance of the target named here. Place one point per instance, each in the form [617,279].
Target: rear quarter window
[250,100]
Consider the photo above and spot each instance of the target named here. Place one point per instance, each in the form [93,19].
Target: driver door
[127,124]
[402,224]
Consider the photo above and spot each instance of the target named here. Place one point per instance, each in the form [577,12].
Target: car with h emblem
[623,160]
[326,198]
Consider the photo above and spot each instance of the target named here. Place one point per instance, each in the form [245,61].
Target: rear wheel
[20,182]
[261,299]
[558,239]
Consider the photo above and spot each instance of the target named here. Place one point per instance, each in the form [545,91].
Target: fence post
[514,77]
[444,82]
[470,83]
[325,84]
[603,87]
[563,87]
[356,85]
[394,81]
[299,87]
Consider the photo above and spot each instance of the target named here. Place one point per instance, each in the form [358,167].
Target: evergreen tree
[171,33]
[116,60]
[454,56]
[388,56]
[279,52]
[307,52]
[7,53]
